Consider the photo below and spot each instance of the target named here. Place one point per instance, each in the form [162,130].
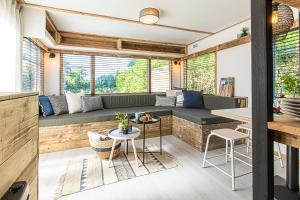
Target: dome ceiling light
[149,15]
[282,18]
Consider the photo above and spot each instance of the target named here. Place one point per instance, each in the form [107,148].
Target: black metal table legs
[144,128]
[160,137]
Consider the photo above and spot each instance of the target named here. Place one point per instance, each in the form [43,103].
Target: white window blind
[76,73]
[286,60]
[120,75]
[32,67]
[201,73]
[160,75]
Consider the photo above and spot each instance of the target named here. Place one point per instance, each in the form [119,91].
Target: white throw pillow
[74,102]
[179,100]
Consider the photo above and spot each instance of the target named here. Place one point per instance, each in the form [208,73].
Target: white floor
[189,181]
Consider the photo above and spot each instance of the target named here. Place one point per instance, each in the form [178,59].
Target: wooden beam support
[52,29]
[262,99]
[226,45]
[49,8]
[40,44]
[114,43]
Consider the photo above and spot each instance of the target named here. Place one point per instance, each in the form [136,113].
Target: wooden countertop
[14,95]
[239,114]
[285,124]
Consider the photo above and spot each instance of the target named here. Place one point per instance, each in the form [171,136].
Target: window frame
[93,75]
[215,71]
[40,66]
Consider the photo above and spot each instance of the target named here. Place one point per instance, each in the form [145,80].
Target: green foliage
[122,118]
[201,73]
[286,63]
[245,30]
[76,79]
[28,78]
[105,84]
[134,79]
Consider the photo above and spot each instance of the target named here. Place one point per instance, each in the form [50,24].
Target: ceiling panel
[98,26]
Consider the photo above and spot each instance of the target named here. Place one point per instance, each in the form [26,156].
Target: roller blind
[76,73]
[32,67]
[120,75]
[201,73]
[286,59]
[160,75]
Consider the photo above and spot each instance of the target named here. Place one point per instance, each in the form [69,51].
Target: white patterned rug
[87,173]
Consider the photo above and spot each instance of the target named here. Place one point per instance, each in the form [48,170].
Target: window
[107,74]
[120,75]
[201,73]
[32,68]
[76,73]
[160,75]
[286,60]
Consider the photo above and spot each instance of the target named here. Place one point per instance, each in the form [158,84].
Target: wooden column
[262,99]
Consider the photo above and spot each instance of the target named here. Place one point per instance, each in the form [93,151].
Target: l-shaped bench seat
[192,125]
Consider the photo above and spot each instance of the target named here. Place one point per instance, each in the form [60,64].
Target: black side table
[155,119]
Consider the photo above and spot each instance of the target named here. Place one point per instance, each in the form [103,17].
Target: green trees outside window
[201,73]
[114,74]
[286,63]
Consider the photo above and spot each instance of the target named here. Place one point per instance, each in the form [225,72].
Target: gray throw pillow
[165,101]
[91,103]
[59,104]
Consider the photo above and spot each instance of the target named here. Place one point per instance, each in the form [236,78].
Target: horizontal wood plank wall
[19,143]
[59,138]
[196,135]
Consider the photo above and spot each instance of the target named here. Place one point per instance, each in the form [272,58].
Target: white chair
[248,128]
[230,136]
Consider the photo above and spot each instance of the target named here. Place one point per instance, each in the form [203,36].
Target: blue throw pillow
[193,99]
[46,106]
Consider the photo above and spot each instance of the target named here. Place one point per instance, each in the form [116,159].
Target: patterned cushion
[165,101]
[45,105]
[92,103]
[59,104]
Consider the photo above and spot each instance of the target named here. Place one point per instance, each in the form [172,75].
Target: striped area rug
[87,173]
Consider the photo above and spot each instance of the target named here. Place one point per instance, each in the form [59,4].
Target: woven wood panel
[196,135]
[59,138]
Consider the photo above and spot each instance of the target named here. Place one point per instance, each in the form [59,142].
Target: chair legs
[232,165]
[205,153]
[279,155]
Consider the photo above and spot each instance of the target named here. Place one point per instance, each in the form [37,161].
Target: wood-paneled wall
[19,141]
[59,138]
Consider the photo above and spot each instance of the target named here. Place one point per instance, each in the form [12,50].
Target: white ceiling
[203,15]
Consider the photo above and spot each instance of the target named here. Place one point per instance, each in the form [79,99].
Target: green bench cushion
[99,115]
[199,116]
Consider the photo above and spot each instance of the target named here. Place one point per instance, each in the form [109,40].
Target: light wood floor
[189,181]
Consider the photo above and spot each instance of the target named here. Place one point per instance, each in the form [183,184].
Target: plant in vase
[123,122]
[245,31]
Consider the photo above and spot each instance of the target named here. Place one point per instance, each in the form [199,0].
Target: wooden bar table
[286,130]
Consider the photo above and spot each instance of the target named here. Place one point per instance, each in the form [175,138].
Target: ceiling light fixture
[282,18]
[149,15]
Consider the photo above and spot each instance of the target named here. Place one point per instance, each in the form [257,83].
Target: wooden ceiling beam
[48,8]
[115,43]
[52,29]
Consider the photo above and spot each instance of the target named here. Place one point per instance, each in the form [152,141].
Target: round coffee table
[155,119]
[116,135]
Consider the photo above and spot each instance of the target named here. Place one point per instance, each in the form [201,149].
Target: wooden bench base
[196,135]
[59,138]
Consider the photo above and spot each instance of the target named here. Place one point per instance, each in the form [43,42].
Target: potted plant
[245,31]
[291,83]
[123,122]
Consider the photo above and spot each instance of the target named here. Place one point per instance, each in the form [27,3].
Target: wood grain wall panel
[59,138]
[19,141]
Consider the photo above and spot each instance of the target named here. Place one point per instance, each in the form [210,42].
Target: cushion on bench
[126,101]
[199,116]
[99,115]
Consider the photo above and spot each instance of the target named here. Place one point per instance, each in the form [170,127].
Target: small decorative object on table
[123,122]
[226,87]
[146,118]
